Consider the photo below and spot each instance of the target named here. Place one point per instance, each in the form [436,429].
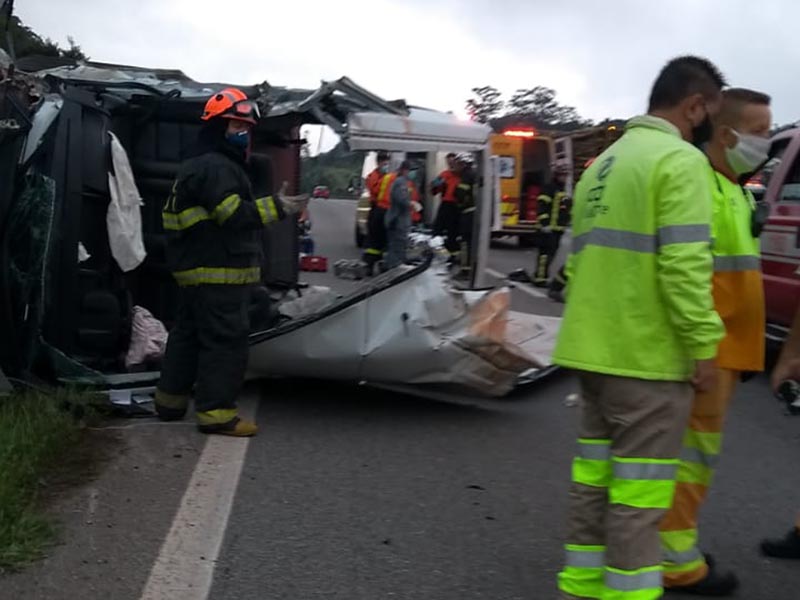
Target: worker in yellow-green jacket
[640,327]
[739,147]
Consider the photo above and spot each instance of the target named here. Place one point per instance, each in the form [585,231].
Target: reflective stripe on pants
[623,480]
[684,563]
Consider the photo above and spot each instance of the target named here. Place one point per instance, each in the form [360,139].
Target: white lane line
[184,569]
[525,289]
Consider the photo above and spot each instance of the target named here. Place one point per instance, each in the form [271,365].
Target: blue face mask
[384,169]
[240,139]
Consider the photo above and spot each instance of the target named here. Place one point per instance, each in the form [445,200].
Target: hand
[705,375]
[416,206]
[292,205]
[785,369]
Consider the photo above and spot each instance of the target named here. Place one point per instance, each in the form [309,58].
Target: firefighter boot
[225,422]
[171,407]
[786,547]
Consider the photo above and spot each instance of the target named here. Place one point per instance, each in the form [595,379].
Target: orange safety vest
[384,192]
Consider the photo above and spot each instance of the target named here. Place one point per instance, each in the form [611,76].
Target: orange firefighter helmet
[231,103]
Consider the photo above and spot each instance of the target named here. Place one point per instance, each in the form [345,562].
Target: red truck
[779,185]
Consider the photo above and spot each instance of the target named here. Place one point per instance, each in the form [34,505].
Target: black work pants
[466,221]
[548,243]
[376,235]
[208,347]
[446,224]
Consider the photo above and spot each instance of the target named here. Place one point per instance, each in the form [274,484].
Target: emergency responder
[398,216]
[446,222]
[559,283]
[465,200]
[376,230]
[788,367]
[553,213]
[212,224]
[640,326]
[738,147]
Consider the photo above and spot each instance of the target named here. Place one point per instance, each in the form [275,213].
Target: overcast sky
[601,57]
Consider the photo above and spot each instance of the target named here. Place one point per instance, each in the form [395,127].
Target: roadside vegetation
[38,434]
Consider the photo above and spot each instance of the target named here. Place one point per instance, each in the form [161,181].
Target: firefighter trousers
[549,242]
[684,563]
[207,349]
[376,236]
[466,223]
[446,224]
[623,480]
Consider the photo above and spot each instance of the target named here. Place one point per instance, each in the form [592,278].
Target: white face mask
[749,153]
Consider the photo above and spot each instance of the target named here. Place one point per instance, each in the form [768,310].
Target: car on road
[780,241]
[321,191]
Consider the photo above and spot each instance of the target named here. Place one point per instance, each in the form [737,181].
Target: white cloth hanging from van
[124,217]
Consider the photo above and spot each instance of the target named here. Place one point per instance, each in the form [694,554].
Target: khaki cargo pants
[623,481]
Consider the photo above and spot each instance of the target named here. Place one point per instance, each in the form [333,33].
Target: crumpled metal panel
[419,332]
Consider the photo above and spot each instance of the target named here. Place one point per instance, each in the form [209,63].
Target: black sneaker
[715,584]
[786,547]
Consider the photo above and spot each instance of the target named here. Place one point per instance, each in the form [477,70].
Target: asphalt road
[356,494]
[359,494]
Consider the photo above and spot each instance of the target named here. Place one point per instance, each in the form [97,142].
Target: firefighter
[465,200]
[553,212]
[640,327]
[788,367]
[446,222]
[559,283]
[739,146]
[213,228]
[398,215]
[376,230]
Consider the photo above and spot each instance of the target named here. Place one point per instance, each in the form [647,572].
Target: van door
[780,241]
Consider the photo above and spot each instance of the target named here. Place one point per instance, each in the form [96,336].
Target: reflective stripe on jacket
[385,190]
[738,288]
[639,298]
[212,223]
[552,209]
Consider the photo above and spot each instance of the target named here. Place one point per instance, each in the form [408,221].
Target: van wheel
[359,238]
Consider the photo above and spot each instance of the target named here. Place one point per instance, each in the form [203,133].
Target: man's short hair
[682,77]
[733,102]
[451,155]
[383,156]
[405,166]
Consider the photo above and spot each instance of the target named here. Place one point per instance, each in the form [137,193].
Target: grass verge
[36,432]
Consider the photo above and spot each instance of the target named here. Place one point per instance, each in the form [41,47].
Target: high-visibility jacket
[639,298]
[373,183]
[552,209]
[737,285]
[212,220]
[447,182]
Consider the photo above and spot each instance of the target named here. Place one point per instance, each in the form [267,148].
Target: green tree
[27,42]
[485,104]
[539,104]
